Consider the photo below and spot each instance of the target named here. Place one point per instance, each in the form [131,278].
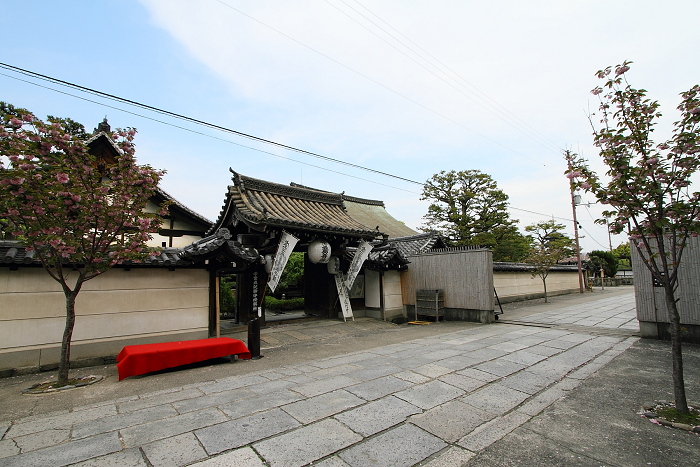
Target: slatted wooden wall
[651,305]
[466,276]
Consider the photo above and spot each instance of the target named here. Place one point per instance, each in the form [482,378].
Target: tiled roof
[219,242]
[12,253]
[419,243]
[397,250]
[263,204]
[383,257]
[372,213]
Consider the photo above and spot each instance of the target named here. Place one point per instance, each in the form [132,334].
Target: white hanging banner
[343,297]
[361,255]
[284,249]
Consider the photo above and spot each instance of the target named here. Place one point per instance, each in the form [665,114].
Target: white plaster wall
[147,304]
[392,290]
[372,289]
[521,283]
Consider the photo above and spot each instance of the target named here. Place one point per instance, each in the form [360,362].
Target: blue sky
[209,61]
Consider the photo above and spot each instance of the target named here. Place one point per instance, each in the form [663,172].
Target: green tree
[598,259]
[77,223]
[623,254]
[648,189]
[227,287]
[468,208]
[294,270]
[549,246]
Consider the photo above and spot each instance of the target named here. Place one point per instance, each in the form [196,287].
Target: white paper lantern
[319,251]
[333,265]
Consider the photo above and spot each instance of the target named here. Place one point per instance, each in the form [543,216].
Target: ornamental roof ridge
[419,236]
[245,183]
[352,199]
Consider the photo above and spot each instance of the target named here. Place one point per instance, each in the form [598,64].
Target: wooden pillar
[213,303]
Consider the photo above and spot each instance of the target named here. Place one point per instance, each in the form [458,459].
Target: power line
[196,121]
[495,103]
[541,214]
[513,122]
[207,135]
[189,119]
[403,96]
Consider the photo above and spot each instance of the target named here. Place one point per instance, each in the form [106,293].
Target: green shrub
[272,304]
[227,302]
[604,259]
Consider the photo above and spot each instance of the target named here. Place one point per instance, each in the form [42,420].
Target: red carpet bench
[139,359]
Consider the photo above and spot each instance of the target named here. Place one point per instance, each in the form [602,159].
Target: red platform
[139,359]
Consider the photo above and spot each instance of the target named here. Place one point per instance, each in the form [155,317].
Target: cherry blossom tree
[647,187]
[77,217]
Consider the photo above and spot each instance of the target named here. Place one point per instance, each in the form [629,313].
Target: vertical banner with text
[361,255]
[284,249]
[343,297]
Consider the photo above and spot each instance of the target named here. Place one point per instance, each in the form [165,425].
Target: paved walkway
[616,312]
[458,394]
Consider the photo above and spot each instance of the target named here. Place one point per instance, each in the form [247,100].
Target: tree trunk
[64,363]
[678,383]
[544,283]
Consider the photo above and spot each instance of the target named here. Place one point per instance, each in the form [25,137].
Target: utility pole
[578,249]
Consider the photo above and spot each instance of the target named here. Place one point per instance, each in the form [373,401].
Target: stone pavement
[450,394]
[613,312]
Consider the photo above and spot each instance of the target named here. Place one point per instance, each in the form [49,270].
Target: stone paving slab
[453,456]
[500,367]
[528,382]
[325,405]
[252,405]
[175,451]
[431,370]
[244,457]
[119,421]
[333,461]
[452,420]
[8,448]
[125,458]
[462,382]
[373,372]
[227,384]
[377,416]
[316,388]
[145,433]
[429,395]
[307,444]
[212,400]
[495,398]
[492,431]
[412,377]
[43,439]
[67,453]
[243,431]
[400,447]
[379,387]
[456,363]
[58,421]
[159,399]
